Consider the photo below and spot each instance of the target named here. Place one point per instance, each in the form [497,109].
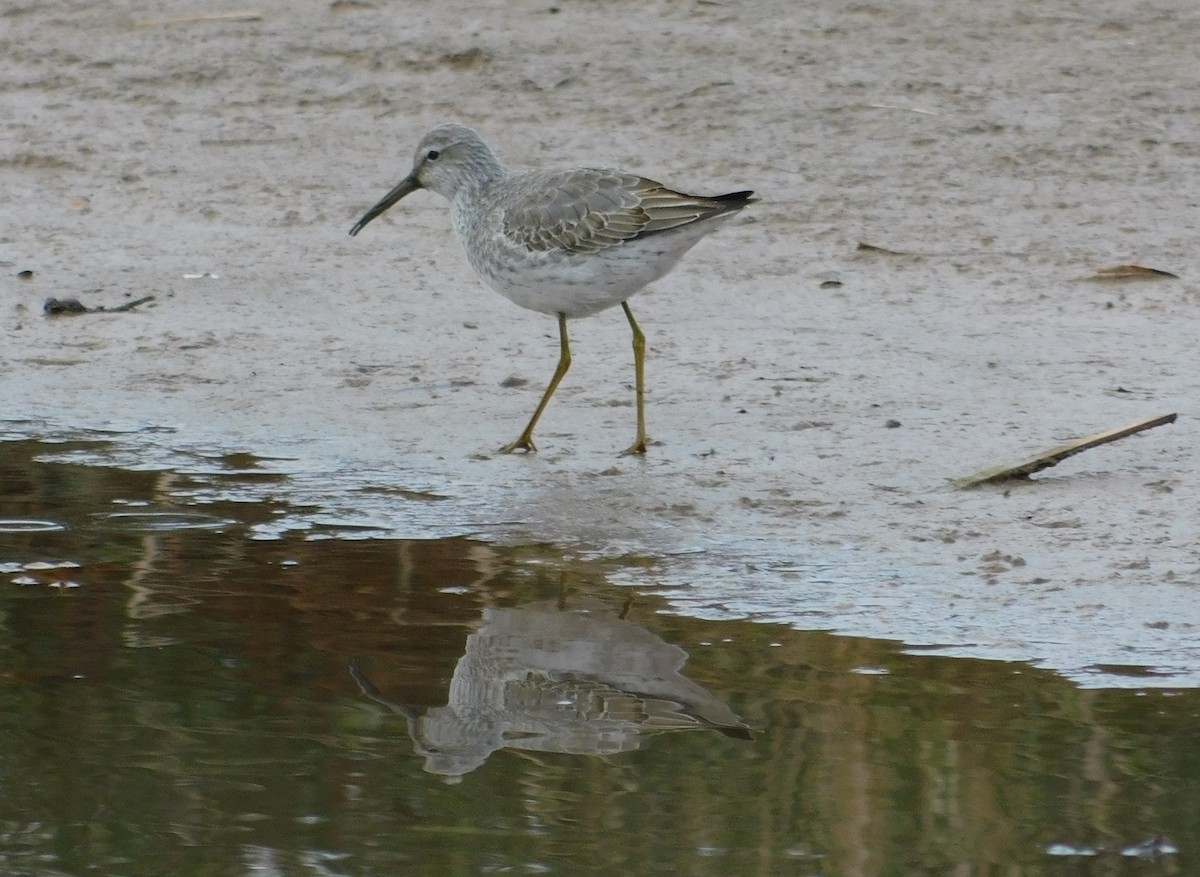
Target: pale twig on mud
[905,109]
[244,15]
[1054,456]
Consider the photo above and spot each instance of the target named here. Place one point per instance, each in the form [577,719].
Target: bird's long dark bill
[406,185]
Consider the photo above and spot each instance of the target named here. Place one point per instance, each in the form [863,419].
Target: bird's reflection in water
[548,677]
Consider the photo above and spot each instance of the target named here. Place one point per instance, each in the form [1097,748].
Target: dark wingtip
[737,199]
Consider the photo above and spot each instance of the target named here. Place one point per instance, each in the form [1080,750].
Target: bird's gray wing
[588,210]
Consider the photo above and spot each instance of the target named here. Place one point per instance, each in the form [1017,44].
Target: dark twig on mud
[55,306]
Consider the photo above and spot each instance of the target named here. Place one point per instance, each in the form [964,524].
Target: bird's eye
[433,155]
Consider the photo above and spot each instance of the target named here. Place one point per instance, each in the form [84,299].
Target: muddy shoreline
[811,400]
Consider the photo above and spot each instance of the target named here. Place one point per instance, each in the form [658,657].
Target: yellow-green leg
[639,360]
[525,441]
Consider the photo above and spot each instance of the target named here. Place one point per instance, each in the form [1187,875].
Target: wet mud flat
[811,399]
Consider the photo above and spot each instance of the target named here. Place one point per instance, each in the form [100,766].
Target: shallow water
[188,687]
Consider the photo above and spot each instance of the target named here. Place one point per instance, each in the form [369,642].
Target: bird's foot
[637,449]
[524,443]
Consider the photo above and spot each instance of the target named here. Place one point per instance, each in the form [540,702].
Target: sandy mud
[810,400]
